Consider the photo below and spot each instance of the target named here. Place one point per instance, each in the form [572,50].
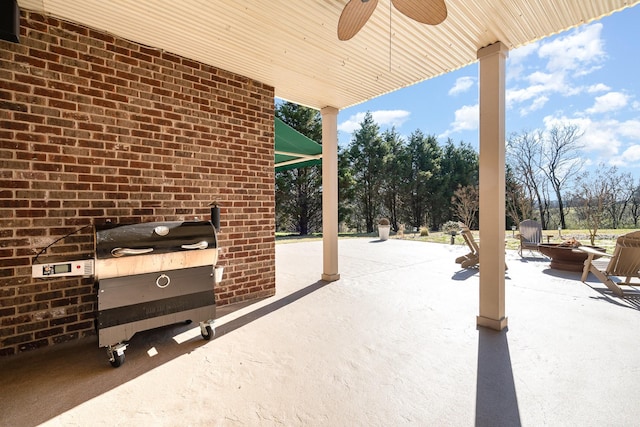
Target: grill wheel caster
[116,354]
[118,359]
[209,333]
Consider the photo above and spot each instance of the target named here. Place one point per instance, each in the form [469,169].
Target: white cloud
[517,58]
[608,102]
[574,51]
[632,154]
[466,118]
[538,77]
[384,118]
[390,117]
[598,87]
[462,85]
[603,138]
[606,139]
[574,54]
[516,96]
[535,96]
[597,137]
[630,129]
[518,55]
[629,158]
[537,104]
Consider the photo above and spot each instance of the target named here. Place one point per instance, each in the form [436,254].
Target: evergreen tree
[394,165]
[422,176]
[366,154]
[459,167]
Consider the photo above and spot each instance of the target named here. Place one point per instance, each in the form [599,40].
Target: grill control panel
[64,268]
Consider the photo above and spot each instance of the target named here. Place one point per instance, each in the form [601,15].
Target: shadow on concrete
[269,308]
[563,274]
[464,274]
[39,385]
[470,272]
[631,298]
[496,400]
[532,259]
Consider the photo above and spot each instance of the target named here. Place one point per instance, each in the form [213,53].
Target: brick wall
[93,127]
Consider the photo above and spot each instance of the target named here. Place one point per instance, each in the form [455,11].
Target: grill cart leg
[207,330]
[116,354]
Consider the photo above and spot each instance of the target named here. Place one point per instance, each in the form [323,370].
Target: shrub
[451,227]
[383,221]
[424,231]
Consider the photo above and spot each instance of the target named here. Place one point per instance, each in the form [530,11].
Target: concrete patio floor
[393,342]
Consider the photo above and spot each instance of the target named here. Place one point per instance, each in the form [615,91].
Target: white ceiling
[293,46]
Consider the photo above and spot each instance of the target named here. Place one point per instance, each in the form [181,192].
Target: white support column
[330,194]
[492,186]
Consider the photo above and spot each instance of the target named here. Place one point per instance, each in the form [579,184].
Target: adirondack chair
[530,235]
[624,262]
[473,257]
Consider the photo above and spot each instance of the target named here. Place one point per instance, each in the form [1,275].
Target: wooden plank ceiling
[293,45]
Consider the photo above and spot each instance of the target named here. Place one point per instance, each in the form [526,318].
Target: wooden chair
[624,262]
[473,257]
[530,235]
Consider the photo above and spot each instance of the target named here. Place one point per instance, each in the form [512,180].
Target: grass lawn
[605,238]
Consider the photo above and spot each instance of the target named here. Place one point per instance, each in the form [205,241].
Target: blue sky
[588,76]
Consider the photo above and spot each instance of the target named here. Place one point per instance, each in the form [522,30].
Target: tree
[635,206]
[561,161]
[592,194]
[299,191]
[347,211]
[366,154]
[423,155]
[622,189]
[458,168]
[393,166]
[524,155]
[409,182]
[518,205]
[465,203]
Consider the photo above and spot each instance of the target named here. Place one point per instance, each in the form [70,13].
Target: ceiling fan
[357,12]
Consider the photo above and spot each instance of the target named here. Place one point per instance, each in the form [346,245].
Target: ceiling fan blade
[431,12]
[353,17]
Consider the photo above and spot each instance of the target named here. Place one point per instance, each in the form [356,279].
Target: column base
[494,324]
[330,277]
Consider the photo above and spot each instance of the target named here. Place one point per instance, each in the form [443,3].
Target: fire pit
[566,256]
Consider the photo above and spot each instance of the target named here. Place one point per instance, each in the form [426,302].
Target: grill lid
[119,240]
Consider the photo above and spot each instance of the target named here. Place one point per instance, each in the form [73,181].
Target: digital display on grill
[61,268]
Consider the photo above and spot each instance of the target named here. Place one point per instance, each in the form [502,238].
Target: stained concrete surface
[393,342]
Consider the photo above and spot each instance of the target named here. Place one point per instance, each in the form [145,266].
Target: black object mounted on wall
[215,215]
[10,21]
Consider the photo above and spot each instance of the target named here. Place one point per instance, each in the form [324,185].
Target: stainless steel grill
[150,275]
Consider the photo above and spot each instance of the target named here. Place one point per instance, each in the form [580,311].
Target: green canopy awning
[293,149]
